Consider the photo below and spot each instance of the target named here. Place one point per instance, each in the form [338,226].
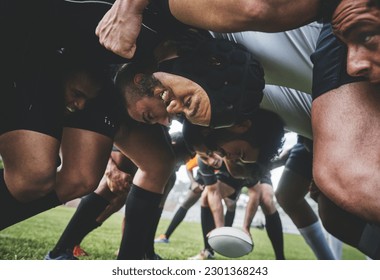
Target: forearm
[251,209]
[240,15]
[131,6]
[215,203]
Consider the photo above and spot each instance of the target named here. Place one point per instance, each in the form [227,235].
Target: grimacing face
[183,96]
[358,26]
[79,87]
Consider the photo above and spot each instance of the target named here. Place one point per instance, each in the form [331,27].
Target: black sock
[208,224]
[82,223]
[229,218]
[177,219]
[274,230]
[139,216]
[150,254]
[15,211]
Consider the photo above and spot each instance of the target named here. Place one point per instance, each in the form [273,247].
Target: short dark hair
[127,72]
[196,136]
[266,133]
[127,90]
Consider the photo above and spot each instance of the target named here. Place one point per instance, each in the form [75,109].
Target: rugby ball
[230,242]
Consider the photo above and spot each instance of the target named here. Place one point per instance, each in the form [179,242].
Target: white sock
[335,245]
[315,238]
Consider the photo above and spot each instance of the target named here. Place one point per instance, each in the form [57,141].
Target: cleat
[161,239]
[60,257]
[79,252]
[205,254]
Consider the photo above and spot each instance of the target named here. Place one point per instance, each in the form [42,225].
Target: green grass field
[31,239]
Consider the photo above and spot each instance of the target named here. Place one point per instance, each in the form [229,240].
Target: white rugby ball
[230,242]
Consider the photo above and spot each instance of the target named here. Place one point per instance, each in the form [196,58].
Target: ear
[241,127]
[137,78]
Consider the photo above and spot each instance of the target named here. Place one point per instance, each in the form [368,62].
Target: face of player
[358,25]
[150,110]
[183,96]
[172,96]
[78,89]
[238,150]
[210,158]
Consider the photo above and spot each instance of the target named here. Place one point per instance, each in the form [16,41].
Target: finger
[124,52]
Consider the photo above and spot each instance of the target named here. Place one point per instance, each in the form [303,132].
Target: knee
[281,199]
[288,202]
[204,198]
[31,185]
[76,187]
[231,207]
[267,203]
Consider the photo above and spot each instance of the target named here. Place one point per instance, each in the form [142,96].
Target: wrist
[134,6]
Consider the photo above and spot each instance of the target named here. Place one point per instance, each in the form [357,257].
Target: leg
[149,149]
[292,188]
[150,254]
[84,159]
[92,211]
[229,216]
[290,194]
[25,189]
[24,181]
[273,222]
[190,200]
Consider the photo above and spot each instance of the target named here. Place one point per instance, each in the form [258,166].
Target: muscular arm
[346,129]
[240,15]
[119,28]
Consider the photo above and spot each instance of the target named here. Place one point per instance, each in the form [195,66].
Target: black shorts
[330,63]
[35,102]
[234,183]
[300,161]
[266,178]
[101,115]
[30,99]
